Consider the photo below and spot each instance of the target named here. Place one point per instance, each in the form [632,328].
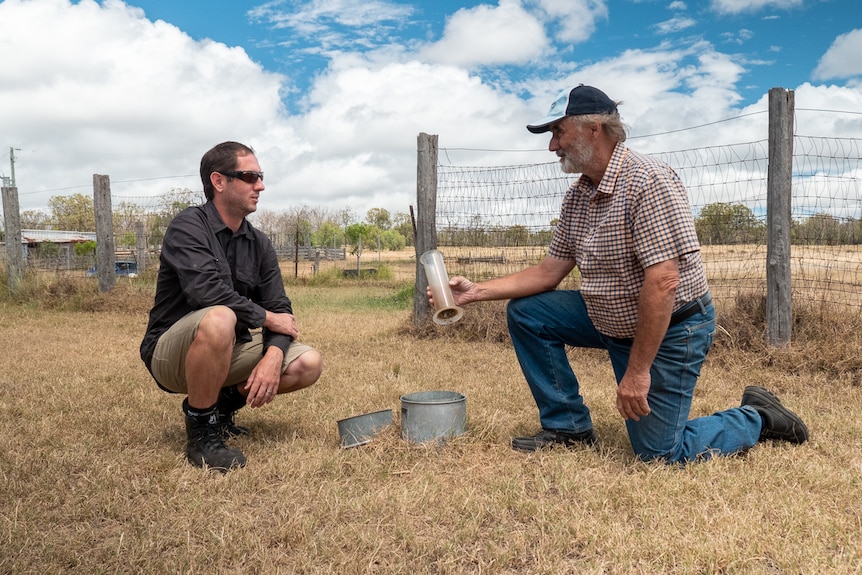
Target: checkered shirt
[637,217]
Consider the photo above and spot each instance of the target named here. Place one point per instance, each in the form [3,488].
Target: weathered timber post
[140,246]
[779,312]
[105,253]
[426,219]
[14,247]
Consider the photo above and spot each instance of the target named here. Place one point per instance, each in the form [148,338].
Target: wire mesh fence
[496,220]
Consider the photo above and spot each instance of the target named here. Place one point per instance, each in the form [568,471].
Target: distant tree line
[309,226]
[716,224]
[734,223]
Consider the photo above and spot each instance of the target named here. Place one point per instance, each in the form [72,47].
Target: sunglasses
[246,176]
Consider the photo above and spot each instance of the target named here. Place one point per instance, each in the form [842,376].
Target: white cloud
[321,27]
[843,59]
[667,89]
[317,15]
[489,35]
[750,6]
[739,37]
[141,101]
[573,20]
[377,112]
[675,25]
[92,88]
[818,100]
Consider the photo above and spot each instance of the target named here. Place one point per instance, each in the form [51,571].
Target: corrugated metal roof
[56,236]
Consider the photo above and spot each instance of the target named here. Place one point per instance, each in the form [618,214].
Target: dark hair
[221,158]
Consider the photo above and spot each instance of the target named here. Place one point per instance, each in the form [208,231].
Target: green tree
[403,224]
[35,220]
[379,217]
[85,249]
[819,229]
[517,235]
[127,239]
[329,235]
[728,223]
[361,236]
[392,240]
[73,213]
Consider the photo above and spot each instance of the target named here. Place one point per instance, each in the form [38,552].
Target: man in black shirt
[218,278]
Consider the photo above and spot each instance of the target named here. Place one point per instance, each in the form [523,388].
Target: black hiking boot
[205,444]
[227,428]
[549,438]
[230,400]
[779,423]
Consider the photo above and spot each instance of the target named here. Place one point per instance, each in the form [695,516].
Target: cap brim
[543,125]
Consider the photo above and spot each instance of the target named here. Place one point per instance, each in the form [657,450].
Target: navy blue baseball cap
[578,101]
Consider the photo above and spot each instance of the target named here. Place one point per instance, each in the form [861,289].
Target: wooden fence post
[140,246]
[105,252]
[426,219]
[779,312]
[14,247]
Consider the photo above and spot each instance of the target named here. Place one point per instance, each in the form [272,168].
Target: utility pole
[12,163]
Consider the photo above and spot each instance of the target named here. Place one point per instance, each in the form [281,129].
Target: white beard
[577,160]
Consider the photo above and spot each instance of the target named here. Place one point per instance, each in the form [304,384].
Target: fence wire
[496,220]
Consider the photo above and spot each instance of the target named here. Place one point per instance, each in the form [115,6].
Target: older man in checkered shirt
[627,225]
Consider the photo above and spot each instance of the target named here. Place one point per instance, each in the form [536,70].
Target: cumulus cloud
[378,111]
[100,89]
[843,59]
[489,35]
[574,20]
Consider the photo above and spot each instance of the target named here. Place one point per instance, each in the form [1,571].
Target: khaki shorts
[169,359]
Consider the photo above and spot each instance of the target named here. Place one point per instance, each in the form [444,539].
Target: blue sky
[332,93]
[779,42]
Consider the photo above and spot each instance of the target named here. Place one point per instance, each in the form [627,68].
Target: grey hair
[611,123]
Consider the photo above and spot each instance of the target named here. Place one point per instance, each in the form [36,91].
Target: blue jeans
[542,325]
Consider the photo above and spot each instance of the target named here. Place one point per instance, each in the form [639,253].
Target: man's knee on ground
[658,454]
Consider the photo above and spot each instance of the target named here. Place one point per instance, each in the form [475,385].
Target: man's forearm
[655,307]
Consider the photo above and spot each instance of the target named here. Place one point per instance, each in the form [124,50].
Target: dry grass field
[93,478]
[829,274]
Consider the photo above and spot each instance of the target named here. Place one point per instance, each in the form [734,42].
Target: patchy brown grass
[825,340]
[92,477]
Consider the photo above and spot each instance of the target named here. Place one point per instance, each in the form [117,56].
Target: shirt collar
[217,224]
[612,171]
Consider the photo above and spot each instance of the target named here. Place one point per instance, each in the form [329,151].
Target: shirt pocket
[609,252]
[247,279]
